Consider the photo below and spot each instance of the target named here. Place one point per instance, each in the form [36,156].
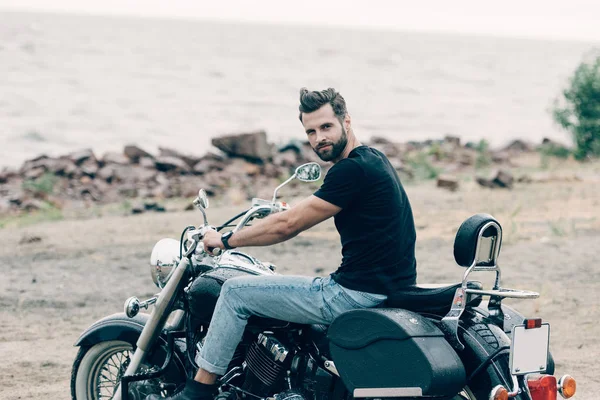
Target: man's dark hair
[313,100]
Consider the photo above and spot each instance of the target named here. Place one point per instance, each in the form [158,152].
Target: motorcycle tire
[97,370]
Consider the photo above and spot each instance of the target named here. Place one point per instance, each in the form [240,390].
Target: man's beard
[336,148]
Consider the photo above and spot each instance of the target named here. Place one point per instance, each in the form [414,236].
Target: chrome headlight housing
[164,259]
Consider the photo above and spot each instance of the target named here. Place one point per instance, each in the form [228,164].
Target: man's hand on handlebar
[211,240]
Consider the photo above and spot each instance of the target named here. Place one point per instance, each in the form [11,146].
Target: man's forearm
[275,228]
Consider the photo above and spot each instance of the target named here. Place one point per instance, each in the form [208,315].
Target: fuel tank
[204,292]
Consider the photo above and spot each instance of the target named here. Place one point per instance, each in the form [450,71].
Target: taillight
[499,393]
[567,386]
[542,387]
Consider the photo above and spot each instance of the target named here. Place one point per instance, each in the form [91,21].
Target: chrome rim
[108,370]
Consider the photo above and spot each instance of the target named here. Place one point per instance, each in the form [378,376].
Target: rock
[79,157]
[452,140]
[501,157]
[500,179]
[33,164]
[115,158]
[153,206]
[132,174]
[271,171]
[106,173]
[397,163]
[90,192]
[467,157]
[7,174]
[128,190]
[162,191]
[380,140]
[292,145]
[57,166]
[26,239]
[137,208]
[34,173]
[504,179]
[100,185]
[447,182]
[389,149]
[207,165]
[253,146]
[134,153]
[519,146]
[147,162]
[213,156]
[288,158]
[89,167]
[187,186]
[168,163]
[189,160]
[524,179]
[32,205]
[252,169]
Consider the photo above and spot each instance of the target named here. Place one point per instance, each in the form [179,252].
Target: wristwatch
[225,240]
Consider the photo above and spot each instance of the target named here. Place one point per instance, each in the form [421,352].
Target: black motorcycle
[426,342]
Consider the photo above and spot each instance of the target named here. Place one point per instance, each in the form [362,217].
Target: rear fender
[487,351]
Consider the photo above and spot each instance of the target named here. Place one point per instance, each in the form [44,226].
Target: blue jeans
[299,299]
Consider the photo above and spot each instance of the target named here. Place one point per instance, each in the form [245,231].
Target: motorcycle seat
[429,299]
[425,299]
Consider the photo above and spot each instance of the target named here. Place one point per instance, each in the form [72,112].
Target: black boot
[193,390]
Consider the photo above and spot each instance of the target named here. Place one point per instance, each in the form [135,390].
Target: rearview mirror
[309,172]
[203,198]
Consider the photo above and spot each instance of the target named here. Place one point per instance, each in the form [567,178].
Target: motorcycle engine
[267,362]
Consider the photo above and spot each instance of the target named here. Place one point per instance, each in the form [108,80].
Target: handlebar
[261,209]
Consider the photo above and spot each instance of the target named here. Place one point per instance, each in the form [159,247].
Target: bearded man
[373,216]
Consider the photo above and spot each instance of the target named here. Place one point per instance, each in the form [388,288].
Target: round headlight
[164,259]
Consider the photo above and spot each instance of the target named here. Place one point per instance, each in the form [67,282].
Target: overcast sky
[562,19]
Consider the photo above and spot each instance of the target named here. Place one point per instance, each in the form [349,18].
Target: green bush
[578,110]
[43,185]
[422,168]
[484,158]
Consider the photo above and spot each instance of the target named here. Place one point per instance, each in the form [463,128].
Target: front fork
[158,318]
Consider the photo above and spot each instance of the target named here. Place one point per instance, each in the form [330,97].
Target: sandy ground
[82,270]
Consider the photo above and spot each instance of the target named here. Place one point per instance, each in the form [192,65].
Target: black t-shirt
[375,224]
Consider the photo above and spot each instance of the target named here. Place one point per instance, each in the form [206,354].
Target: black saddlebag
[394,353]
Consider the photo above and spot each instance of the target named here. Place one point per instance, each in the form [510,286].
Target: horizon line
[358,27]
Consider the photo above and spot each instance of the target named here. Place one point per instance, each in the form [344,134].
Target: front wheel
[97,372]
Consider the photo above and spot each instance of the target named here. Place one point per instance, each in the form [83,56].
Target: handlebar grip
[216,251]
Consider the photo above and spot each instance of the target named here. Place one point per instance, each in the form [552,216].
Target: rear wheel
[465,394]
[98,369]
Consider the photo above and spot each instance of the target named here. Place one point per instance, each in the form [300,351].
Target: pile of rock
[246,161]
[245,164]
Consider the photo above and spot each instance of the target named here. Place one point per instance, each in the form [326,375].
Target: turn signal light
[542,387]
[567,386]
[499,393]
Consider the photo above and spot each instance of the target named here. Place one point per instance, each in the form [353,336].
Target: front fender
[114,327]
[119,326]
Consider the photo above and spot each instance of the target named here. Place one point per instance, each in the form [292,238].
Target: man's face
[327,136]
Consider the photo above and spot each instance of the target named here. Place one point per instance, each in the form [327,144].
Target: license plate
[529,349]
